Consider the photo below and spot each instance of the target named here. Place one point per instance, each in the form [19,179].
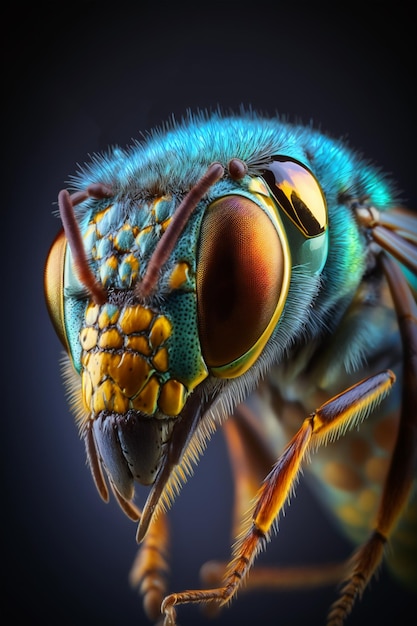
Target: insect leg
[403,462]
[251,460]
[329,421]
[150,568]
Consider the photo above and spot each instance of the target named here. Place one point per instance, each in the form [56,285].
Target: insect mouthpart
[131,399]
[149,450]
[131,447]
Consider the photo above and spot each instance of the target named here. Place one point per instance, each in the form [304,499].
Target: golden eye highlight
[298,193]
[54,285]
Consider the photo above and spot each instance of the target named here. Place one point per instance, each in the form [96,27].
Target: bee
[244,273]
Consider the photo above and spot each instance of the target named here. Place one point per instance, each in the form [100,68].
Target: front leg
[150,568]
[328,422]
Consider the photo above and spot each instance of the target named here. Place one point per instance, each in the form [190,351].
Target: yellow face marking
[105,273]
[179,275]
[112,262]
[109,314]
[172,397]
[120,401]
[96,366]
[158,206]
[110,339]
[98,217]
[108,269]
[88,338]
[102,364]
[91,229]
[130,373]
[103,319]
[111,381]
[102,396]
[146,400]
[91,314]
[160,360]
[87,391]
[138,343]
[100,214]
[160,332]
[135,319]
[165,224]
[129,268]
[122,353]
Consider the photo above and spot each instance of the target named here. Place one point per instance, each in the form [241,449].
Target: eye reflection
[298,193]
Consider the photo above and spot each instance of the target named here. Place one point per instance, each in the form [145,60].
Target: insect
[244,273]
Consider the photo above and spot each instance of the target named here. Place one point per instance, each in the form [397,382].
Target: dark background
[78,77]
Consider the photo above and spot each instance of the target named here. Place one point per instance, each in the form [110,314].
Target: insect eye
[54,285]
[298,193]
[240,275]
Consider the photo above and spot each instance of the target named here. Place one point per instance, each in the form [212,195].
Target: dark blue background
[81,76]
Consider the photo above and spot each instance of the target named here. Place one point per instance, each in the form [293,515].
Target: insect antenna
[394,232]
[237,169]
[66,203]
[168,240]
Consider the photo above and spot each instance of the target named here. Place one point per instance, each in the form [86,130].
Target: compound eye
[54,285]
[239,277]
[298,193]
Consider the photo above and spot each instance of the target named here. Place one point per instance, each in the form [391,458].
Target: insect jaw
[187,442]
[124,446]
[131,447]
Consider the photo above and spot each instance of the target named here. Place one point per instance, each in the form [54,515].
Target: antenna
[168,240]
[66,203]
